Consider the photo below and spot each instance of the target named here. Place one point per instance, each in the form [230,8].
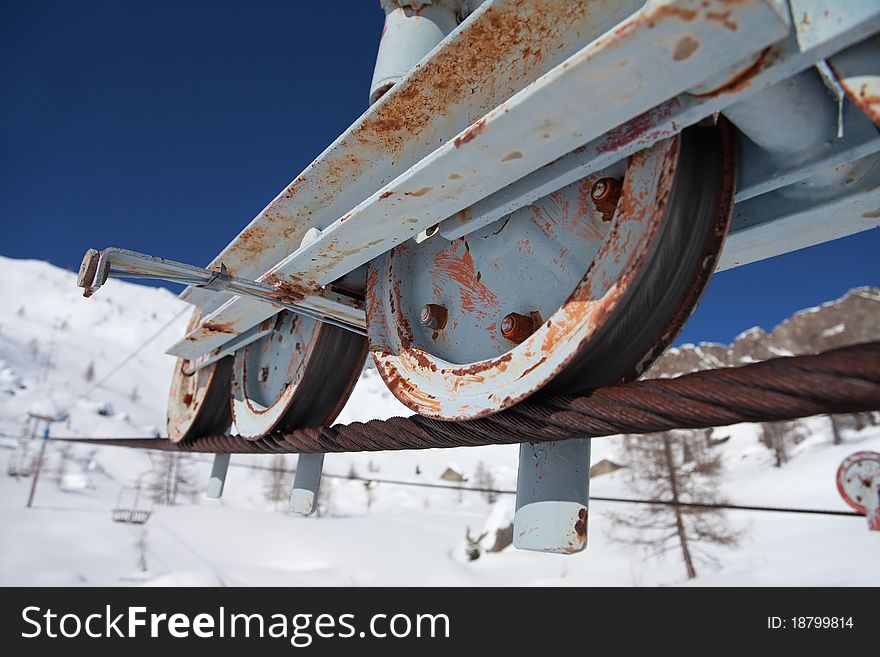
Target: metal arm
[317,303]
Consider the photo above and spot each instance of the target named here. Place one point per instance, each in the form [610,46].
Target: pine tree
[89,376]
[673,467]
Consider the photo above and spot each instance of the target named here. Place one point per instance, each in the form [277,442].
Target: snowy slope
[407,536]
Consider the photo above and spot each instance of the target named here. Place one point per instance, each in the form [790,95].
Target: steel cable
[845,380]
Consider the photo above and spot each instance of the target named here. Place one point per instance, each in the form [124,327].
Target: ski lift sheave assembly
[533,203]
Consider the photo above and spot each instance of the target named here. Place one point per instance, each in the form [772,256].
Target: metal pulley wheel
[299,375]
[582,288]
[198,403]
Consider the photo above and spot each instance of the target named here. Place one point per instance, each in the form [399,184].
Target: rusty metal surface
[818,34]
[610,309]
[300,374]
[543,122]
[501,48]
[198,403]
[858,72]
[471,368]
[845,380]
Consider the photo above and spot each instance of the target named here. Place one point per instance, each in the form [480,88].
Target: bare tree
[63,460]
[278,481]
[172,480]
[672,468]
[141,546]
[483,479]
[324,505]
[369,486]
[779,437]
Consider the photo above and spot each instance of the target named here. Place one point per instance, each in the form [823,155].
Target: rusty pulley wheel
[299,375]
[583,288]
[198,403]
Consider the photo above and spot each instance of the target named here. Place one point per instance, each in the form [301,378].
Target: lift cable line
[125,361]
[593,498]
[845,380]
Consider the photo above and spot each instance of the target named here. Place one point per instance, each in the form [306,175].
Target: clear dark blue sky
[165,127]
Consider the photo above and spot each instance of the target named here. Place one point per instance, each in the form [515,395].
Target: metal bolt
[433,316]
[605,195]
[517,328]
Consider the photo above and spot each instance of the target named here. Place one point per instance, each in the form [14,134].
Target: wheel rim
[299,375]
[585,336]
[198,403]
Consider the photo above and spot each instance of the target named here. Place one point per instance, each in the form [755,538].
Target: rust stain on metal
[517,328]
[470,133]
[287,291]
[499,363]
[455,176]
[473,294]
[419,192]
[219,327]
[685,47]
[580,527]
[866,101]
[665,11]
[641,127]
[722,18]
[386,194]
[742,79]
[605,194]
[513,155]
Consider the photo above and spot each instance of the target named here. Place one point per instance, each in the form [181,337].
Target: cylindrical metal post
[552,496]
[791,119]
[306,482]
[412,29]
[218,476]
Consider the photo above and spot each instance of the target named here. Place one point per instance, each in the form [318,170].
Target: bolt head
[600,189]
[433,316]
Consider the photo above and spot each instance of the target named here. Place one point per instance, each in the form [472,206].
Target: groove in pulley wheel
[584,287]
[299,375]
[198,403]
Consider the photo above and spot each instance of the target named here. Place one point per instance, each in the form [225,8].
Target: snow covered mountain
[851,319]
[68,358]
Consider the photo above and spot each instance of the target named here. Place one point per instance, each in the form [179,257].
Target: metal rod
[218,476]
[306,483]
[327,307]
[552,496]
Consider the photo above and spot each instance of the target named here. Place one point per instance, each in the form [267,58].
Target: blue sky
[165,127]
